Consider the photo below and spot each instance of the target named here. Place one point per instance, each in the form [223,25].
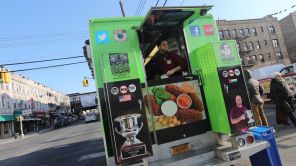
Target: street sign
[26,112]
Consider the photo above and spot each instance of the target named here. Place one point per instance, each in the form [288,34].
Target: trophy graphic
[132,146]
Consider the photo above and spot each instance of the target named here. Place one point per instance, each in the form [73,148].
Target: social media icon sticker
[102,37]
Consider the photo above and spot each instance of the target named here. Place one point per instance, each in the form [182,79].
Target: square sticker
[208,29]
[102,37]
[120,35]
[194,30]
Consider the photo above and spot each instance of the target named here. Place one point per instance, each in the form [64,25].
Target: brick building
[260,41]
[288,26]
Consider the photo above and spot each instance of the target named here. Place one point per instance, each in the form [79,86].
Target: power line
[42,36]
[165,2]
[46,60]
[139,7]
[142,7]
[156,3]
[182,2]
[37,68]
[38,43]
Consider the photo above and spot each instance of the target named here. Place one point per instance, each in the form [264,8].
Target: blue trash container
[269,156]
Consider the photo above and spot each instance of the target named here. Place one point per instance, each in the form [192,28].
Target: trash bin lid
[262,129]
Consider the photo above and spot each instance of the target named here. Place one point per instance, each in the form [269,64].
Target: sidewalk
[28,135]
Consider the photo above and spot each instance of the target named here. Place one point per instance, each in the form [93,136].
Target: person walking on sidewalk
[257,102]
[283,96]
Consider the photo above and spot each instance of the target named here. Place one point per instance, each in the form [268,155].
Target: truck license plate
[180,149]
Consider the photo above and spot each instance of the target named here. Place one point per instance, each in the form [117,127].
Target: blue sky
[37,30]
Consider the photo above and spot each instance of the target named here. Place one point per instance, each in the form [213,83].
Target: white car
[90,117]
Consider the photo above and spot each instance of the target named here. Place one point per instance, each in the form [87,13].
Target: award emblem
[132,146]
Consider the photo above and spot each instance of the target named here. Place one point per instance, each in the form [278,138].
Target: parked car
[58,122]
[90,117]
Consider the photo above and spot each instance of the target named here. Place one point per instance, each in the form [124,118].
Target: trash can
[269,156]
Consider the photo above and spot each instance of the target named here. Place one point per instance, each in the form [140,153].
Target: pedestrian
[283,96]
[255,90]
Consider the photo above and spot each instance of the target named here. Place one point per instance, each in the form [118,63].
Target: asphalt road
[76,145]
[82,145]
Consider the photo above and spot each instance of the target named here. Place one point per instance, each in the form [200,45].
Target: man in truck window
[167,64]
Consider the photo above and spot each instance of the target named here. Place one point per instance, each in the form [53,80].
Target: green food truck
[170,91]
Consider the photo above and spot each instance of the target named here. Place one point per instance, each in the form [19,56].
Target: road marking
[60,146]
[90,156]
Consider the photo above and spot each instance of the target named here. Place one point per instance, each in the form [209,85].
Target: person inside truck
[167,64]
[238,115]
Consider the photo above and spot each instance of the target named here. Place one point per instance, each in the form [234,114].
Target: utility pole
[121,7]
[21,126]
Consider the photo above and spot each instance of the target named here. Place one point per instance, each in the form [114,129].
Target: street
[76,145]
[81,144]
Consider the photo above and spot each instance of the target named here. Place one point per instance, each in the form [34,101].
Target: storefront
[6,123]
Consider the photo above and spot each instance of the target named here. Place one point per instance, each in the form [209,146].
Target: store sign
[6,111]
[40,114]
[27,112]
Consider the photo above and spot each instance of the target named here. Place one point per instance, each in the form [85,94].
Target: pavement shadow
[62,155]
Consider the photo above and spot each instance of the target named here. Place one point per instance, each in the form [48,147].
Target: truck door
[127,118]
[176,104]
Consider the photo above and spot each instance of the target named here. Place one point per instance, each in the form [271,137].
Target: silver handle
[116,130]
[140,103]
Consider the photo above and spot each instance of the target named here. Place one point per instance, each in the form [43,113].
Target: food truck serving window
[164,26]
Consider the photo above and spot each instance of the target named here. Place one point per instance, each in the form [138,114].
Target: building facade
[22,96]
[260,41]
[288,26]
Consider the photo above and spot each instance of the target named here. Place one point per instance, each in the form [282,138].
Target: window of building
[261,58]
[247,30]
[233,33]
[254,32]
[268,55]
[251,47]
[248,59]
[258,45]
[241,32]
[265,42]
[245,46]
[271,29]
[226,34]
[262,29]
[221,34]
[279,55]
[275,43]
[254,57]
[3,102]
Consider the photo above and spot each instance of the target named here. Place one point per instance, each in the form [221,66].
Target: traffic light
[85,82]
[5,77]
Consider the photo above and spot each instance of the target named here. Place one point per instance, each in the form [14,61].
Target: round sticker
[237,72]
[123,89]
[114,90]
[231,73]
[132,88]
[225,74]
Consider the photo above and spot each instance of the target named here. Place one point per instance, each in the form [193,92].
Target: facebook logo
[194,30]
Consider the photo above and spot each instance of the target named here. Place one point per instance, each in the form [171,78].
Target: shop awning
[6,118]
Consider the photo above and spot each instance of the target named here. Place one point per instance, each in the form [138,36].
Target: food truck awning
[162,20]
[166,17]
